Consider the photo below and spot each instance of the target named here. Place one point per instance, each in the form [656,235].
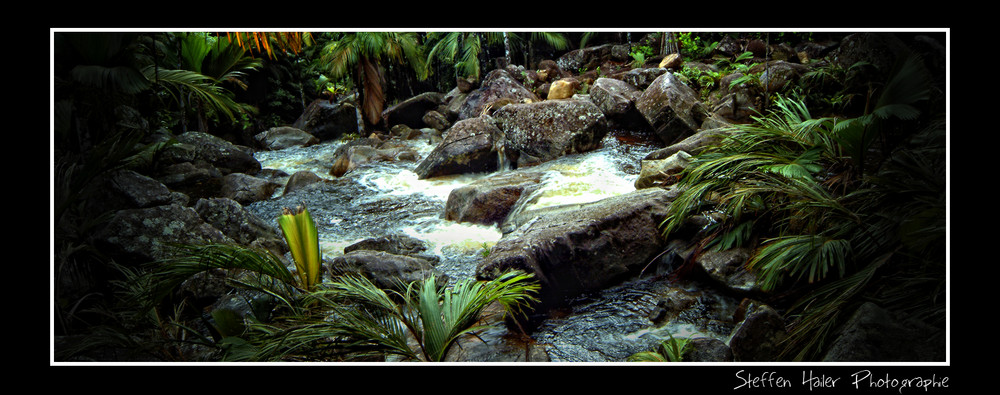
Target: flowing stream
[382,198]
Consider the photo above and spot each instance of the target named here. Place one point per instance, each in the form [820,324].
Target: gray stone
[385,270]
[488,201]
[589,248]
[671,108]
[468,147]
[144,235]
[538,132]
[282,137]
[873,334]
[758,335]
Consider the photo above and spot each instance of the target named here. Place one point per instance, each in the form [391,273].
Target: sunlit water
[384,198]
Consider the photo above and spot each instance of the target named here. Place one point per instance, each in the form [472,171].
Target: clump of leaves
[367,321]
[670,350]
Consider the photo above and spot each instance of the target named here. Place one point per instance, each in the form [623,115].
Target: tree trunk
[373,97]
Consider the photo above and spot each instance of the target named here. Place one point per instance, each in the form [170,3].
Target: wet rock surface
[585,249]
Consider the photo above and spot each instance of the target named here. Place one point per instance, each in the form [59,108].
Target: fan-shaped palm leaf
[204,88]
[369,319]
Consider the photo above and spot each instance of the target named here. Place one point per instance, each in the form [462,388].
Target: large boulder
[127,189]
[693,144]
[498,85]
[639,78]
[147,234]
[245,188]
[563,89]
[301,180]
[195,179]
[395,243]
[616,98]
[282,137]
[778,75]
[236,222]
[586,249]
[728,269]
[359,152]
[873,334]
[468,147]
[538,132]
[881,50]
[705,349]
[613,97]
[436,120]
[671,108]
[384,269]
[590,57]
[221,154]
[488,201]
[760,329]
[327,120]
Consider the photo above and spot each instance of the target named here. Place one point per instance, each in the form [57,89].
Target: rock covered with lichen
[538,132]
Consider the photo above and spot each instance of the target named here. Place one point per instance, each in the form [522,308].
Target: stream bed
[382,198]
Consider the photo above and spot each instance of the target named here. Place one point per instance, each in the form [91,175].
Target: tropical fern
[202,87]
[670,350]
[270,272]
[368,320]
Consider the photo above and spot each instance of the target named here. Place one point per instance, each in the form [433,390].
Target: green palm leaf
[124,79]
[189,260]
[369,319]
[799,256]
[204,88]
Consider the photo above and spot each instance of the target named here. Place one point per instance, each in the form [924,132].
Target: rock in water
[592,247]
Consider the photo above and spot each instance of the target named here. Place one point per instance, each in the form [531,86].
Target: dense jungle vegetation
[839,187]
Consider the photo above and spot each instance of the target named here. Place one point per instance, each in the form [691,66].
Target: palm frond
[201,86]
[124,79]
[189,260]
[468,64]
[818,314]
[812,257]
[558,41]
[367,318]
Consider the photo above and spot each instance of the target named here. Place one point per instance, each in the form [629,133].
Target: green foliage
[205,66]
[487,248]
[369,321]
[784,181]
[639,55]
[265,272]
[670,350]
[461,49]
[701,80]
[909,84]
[693,47]
[303,241]
[362,56]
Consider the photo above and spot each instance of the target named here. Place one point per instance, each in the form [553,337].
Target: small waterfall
[503,162]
